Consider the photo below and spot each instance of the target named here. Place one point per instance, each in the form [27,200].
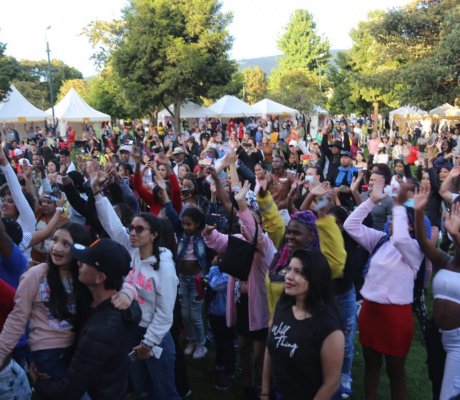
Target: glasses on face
[137,228]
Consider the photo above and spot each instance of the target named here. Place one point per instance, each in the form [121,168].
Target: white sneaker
[200,352]
[189,349]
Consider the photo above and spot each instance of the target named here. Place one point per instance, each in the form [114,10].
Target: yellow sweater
[331,245]
[271,218]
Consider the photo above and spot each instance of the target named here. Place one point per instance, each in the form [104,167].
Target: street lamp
[49,73]
[318,57]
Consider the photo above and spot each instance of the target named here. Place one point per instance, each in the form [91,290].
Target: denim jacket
[199,249]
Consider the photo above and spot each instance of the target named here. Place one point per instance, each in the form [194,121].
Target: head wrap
[308,219]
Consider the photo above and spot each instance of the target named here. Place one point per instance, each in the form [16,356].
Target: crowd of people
[124,252]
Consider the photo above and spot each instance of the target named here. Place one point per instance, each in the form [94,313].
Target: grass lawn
[419,386]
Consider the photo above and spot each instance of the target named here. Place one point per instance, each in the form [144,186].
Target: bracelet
[60,209]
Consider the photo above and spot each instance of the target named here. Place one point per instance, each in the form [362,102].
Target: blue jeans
[53,362]
[191,310]
[13,383]
[346,304]
[154,378]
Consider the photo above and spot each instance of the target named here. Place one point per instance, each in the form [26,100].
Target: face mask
[409,203]
[309,179]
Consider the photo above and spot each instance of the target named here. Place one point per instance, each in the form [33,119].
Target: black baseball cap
[106,255]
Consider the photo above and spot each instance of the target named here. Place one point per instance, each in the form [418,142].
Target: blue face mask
[409,203]
[309,179]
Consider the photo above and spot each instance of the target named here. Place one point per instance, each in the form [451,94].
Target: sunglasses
[137,228]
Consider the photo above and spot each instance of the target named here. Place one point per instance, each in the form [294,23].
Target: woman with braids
[153,274]
[53,302]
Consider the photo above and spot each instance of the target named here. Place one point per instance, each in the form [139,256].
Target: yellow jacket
[271,218]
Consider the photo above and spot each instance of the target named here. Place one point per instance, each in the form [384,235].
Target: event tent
[188,110]
[407,112]
[230,106]
[269,107]
[72,108]
[16,108]
[446,111]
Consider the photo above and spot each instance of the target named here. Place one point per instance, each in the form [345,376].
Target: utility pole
[48,51]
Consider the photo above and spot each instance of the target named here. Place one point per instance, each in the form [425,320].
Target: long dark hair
[58,300]
[316,270]
[155,227]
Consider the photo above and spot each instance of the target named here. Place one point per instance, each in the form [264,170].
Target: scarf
[342,171]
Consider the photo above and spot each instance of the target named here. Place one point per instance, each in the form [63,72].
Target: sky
[256,26]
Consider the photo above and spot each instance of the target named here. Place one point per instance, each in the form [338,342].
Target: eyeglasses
[137,228]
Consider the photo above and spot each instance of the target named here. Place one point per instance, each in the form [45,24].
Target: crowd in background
[126,250]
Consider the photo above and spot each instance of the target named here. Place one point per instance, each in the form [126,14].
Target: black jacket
[99,365]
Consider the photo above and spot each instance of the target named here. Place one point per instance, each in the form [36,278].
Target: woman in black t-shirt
[305,345]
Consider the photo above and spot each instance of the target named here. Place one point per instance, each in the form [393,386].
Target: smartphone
[205,162]
[133,356]
[212,219]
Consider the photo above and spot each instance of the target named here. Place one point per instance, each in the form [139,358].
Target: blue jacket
[217,281]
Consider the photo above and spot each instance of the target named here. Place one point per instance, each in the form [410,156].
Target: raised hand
[241,195]
[377,193]
[26,169]
[452,221]
[356,181]
[232,158]
[321,189]
[454,172]
[403,194]
[61,200]
[3,159]
[421,197]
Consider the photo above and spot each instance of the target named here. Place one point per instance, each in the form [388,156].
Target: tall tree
[9,69]
[80,85]
[33,79]
[172,51]
[255,84]
[305,57]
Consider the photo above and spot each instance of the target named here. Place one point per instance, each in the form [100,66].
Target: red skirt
[386,328]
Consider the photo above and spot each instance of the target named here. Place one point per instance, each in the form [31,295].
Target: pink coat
[257,291]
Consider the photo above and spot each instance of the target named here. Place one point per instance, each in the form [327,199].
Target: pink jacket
[257,291]
[394,266]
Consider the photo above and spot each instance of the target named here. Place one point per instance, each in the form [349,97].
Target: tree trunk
[376,117]
[177,106]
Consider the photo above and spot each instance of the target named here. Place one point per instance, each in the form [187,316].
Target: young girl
[153,274]
[191,265]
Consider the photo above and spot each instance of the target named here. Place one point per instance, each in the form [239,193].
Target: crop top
[446,285]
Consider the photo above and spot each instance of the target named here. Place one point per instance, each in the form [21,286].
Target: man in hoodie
[99,366]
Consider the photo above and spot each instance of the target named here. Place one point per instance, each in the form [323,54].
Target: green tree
[255,84]
[409,54]
[80,85]
[301,45]
[168,52]
[9,69]
[32,80]
[297,88]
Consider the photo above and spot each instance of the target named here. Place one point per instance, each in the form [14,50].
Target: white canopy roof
[319,110]
[230,106]
[189,110]
[73,108]
[446,110]
[267,107]
[16,108]
[407,111]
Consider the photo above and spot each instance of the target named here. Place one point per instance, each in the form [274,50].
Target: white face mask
[310,179]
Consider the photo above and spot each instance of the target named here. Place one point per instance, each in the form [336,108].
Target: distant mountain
[270,62]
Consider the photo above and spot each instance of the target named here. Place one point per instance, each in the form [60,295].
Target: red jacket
[149,198]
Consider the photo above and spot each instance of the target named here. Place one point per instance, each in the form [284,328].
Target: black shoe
[250,393]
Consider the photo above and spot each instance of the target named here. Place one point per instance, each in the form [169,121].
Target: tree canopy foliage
[406,55]
[255,84]
[9,69]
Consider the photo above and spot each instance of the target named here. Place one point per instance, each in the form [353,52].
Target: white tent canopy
[72,108]
[319,110]
[16,108]
[407,111]
[188,110]
[268,107]
[446,111]
[230,106]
